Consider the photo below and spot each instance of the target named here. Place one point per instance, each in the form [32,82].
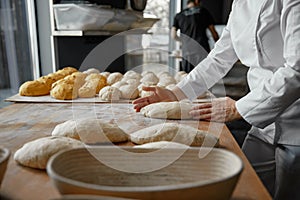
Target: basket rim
[5,154]
[57,177]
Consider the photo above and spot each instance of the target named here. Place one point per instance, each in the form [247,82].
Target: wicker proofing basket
[4,156]
[76,171]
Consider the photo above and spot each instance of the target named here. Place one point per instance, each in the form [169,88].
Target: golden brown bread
[43,85]
[94,83]
[64,90]
[33,88]
[67,88]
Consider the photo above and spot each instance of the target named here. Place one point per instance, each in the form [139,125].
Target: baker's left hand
[220,110]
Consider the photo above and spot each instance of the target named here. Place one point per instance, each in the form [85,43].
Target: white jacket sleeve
[264,103]
[208,72]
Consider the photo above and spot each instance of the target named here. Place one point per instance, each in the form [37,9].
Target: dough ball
[34,88]
[134,82]
[119,84]
[162,144]
[89,89]
[165,81]
[162,74]
[114,77]
[36,153]
[174,132]
[109,93]
[132,75]
[150,78]
[145,72]
[168,110]
[129,92]
[90,131]
[92,71]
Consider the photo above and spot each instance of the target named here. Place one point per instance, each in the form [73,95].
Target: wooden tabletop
[21,123]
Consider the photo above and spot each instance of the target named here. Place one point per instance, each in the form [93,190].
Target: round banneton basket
[214,176]
[4,156]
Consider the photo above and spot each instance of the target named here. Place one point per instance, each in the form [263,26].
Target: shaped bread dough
[91,71]
[163,74]
[129,92]
[132,75]
[174,132]
[89,89]
[162,144]
[165,81]
[114,77]
[90,131]
[36,153]
[150,78]
[109,93]
[168,110]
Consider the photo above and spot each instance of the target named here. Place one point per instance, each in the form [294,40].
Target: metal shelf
[98,32]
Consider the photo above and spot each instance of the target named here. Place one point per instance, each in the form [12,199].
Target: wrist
[178,94]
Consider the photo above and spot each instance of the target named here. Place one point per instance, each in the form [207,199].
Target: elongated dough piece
[90,131]
[174,132]
[35,154]
[168,110]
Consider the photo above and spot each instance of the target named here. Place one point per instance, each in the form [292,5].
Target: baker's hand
[220,110]
[159,95]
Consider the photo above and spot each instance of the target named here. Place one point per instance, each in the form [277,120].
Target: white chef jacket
[264,35]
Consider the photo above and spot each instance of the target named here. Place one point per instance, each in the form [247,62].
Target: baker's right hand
[159,95]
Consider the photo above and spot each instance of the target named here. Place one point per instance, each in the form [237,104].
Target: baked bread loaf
[64,90]
[43,85]
[101,80]
[94,83]
[34,88]
[67,88]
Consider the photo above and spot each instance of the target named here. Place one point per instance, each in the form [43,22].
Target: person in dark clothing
[193,23]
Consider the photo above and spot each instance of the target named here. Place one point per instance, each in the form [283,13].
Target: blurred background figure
[193,23]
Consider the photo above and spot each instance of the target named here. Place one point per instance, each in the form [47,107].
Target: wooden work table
[23,122]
